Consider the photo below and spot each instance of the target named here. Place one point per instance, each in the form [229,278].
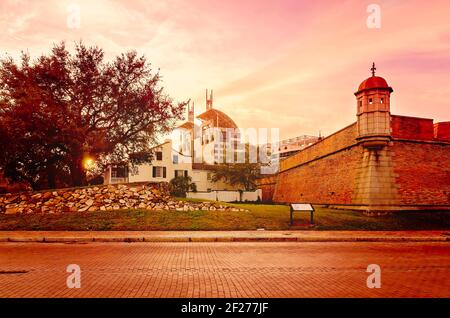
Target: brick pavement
[224,236]
[225,269]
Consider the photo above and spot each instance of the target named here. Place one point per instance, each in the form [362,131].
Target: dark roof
[218,118]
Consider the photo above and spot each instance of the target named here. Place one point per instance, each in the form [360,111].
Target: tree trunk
[51,176]
[77,172]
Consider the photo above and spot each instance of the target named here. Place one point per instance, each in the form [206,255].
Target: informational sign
[302,207]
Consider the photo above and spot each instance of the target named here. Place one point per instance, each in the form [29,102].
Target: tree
[244,174]
[63,109]
[178,186]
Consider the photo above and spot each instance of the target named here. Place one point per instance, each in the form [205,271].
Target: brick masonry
[241,269]
[422,172]
[411,172]
[405,127]
[327,180]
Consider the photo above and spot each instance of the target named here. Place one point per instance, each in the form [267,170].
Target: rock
[66,195]
[47,195]
[83,209]
[37,196]
[12,211]
[12,199]
[151,196]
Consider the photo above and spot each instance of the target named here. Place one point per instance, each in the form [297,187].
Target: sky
[287,64]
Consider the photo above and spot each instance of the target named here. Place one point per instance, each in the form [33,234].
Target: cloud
[289,64]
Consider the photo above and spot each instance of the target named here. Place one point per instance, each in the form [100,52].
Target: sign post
[302,207]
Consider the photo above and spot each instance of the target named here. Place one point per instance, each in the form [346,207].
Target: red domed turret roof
[373,82]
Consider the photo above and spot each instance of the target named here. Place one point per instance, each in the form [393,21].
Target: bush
[178,186]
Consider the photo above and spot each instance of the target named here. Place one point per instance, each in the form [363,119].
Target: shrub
[178,186]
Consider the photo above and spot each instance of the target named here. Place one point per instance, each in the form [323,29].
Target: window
[181,173]
[360,105]
[119,171]
[159,172]
[370,100]
[175,159]
[381,101]
[159,155]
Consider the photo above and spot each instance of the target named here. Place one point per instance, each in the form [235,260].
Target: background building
[179,158]
[291,146]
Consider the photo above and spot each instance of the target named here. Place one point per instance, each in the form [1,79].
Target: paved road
[225,269]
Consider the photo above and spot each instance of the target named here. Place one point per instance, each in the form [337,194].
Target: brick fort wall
[326,172]
[323,172]
[422,172]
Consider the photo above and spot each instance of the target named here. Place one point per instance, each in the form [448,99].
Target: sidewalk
[224,236]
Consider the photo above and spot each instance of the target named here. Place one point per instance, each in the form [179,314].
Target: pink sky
[288,64]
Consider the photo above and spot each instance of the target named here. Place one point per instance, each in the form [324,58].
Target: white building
[177,156]
[167,163]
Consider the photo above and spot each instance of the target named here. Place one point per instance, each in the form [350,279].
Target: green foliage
[243,174]
[178,186]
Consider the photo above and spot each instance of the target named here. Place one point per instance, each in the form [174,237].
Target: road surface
[316,269]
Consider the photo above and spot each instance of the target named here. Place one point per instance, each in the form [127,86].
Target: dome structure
[373,82]
[217,118]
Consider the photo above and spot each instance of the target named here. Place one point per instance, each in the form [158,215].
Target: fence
[227,196]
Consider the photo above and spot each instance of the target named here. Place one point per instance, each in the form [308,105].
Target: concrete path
[224,236]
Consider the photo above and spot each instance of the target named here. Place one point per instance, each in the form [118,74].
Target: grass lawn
[270,217]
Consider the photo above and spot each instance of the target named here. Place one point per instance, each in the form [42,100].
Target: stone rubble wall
[149,196]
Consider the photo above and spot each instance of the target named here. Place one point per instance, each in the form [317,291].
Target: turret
[373,111]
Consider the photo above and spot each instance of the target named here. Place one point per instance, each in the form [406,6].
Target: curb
[218,239]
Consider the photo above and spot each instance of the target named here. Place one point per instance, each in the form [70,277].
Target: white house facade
[175,157]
